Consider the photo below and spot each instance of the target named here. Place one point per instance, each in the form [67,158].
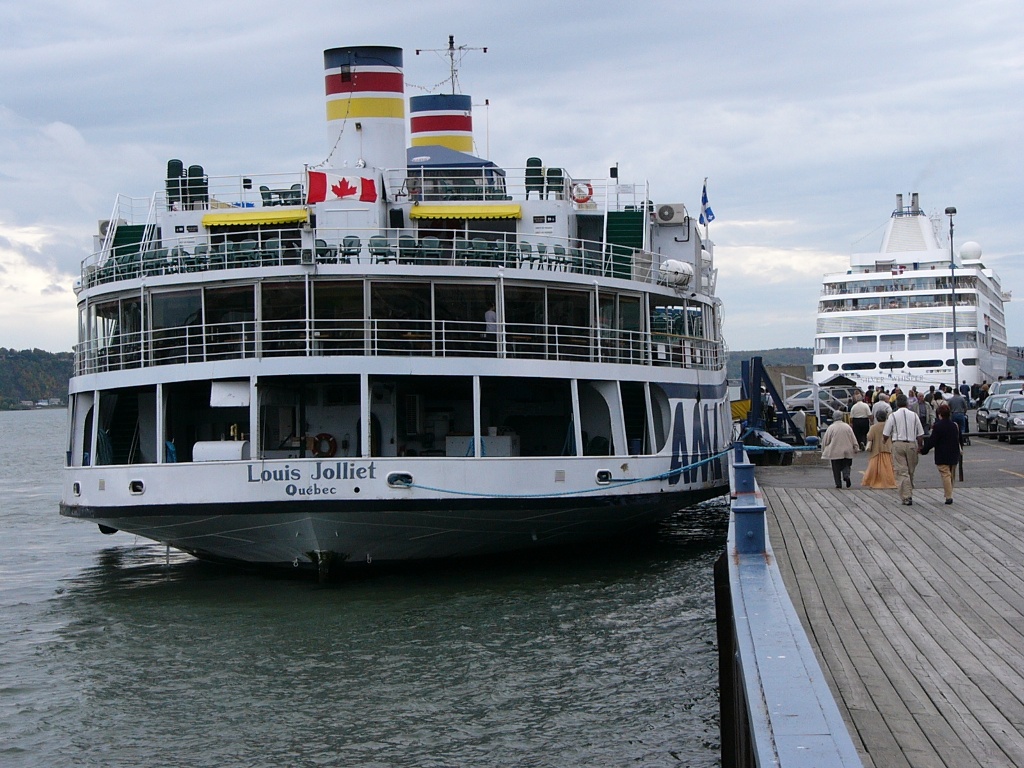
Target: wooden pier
[916,613]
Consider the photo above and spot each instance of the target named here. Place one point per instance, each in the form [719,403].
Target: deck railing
[212,342]
[349,250]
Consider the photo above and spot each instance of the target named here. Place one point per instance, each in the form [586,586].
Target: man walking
[907,435]
[958,412]
[860,420]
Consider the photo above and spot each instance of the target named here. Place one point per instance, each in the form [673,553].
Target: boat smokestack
[365,89]
[915,207]
[445,119]
[899,203]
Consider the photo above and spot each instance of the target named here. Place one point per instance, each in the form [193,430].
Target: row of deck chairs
[475,252]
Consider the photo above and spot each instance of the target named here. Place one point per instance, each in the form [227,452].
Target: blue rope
[618,483]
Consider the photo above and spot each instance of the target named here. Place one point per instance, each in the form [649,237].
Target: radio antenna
[455,56]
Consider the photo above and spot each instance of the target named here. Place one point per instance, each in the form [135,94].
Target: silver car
[1010,419]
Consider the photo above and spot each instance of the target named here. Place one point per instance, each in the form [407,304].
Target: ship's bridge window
[924,341]
[891,342]
[859,344]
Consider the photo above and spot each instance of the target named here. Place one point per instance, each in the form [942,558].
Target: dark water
[110,657]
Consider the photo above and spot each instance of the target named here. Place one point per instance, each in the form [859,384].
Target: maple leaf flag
[323,186]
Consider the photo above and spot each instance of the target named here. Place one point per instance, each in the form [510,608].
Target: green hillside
[783,356]
[32,374]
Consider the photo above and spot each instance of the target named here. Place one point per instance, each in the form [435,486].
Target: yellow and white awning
[502,211]
[251,218]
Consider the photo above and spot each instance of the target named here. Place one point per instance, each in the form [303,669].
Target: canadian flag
[323,186]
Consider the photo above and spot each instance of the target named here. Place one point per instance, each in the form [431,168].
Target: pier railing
[776,707]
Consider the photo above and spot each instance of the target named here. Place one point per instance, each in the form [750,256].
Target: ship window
[460,312]
[569,323]
[818,368]
[858,366]
[889,365]
[963,339]
[924,341]
[284,318]
[826,346]
[859,344]
[924,364]
[833,366]
[338,317]
[891,342]
[400,315]
[174,314]
[969,361]
[230,320]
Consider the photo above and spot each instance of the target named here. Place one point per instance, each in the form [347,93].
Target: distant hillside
[32,374]
[784,356]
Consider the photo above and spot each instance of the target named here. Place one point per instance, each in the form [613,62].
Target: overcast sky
[807,119]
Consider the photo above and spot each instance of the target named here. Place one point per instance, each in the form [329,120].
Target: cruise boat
[403,352]
[912,313]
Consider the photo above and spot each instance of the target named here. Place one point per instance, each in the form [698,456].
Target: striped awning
[253,217]
[503,211]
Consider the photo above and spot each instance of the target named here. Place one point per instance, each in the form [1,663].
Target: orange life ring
[324,445]
[582,192]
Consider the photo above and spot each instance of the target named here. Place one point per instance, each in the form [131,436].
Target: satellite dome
[970,251]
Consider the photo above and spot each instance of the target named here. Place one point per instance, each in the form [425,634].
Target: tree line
[33,374]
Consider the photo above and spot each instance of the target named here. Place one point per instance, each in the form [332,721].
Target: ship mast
[455,56]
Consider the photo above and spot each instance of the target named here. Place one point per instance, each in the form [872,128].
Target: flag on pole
[706,214]
[334,186]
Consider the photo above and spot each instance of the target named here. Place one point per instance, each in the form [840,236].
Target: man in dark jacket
[945,439]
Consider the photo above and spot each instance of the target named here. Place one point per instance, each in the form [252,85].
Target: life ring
[582,192]
[324,445]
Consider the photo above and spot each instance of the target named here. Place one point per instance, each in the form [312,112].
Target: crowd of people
[896,428]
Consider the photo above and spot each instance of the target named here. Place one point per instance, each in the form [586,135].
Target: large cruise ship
[913,312]
[404,352]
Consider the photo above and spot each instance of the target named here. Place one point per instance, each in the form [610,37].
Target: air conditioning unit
[671,213]
[105,225]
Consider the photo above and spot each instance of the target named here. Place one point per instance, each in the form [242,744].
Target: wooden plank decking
[917,614]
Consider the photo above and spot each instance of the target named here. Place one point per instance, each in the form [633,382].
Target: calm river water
[111,657]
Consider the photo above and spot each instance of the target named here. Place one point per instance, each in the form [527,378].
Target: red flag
[323,186]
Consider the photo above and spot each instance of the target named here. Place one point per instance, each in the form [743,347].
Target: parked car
[830,398]
[987,412]
[1006,386]
[1010,419]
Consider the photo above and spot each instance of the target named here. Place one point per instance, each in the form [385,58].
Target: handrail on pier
[776,706]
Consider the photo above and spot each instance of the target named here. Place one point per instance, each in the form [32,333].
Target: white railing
[353,247]
[374,337]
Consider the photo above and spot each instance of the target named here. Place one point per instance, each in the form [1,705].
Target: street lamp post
[951,212]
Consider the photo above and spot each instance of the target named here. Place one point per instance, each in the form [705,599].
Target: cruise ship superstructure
[889,320]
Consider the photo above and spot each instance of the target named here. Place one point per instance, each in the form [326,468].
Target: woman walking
[946,439]
[879,473]
[839,445]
